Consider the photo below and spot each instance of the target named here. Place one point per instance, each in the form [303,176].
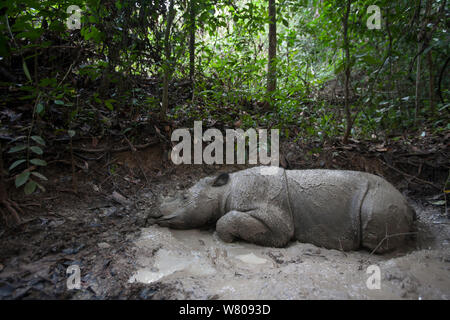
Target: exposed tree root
[11,207]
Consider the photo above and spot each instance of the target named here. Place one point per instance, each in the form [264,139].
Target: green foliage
[120,45]
[26,150]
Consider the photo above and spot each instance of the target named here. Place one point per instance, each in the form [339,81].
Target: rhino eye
[185,196]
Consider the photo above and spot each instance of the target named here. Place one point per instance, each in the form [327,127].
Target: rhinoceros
[335,209]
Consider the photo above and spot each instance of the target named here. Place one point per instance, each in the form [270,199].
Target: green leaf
[438,203]
[59,102]
[17,148]
[93,33]
[37,150]
[16,163]
[39,140]
[71,133]
[40,108]
[22,178]
[31,34]
[38,162]
[109,105]
[370,60]
[30,187]
[340,67]
[40,176]
[27,72]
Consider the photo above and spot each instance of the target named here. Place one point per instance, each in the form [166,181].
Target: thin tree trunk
[192,12]
[348,115]
[423,39]
[431,83]
[417,88]
[441,75]
[168,63]
[288,62]
[272,72]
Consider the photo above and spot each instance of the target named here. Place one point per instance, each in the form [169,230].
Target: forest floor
[103,228]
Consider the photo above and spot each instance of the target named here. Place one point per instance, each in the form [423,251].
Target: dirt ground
[121,256]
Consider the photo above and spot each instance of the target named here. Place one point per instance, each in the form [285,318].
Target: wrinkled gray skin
[344,210]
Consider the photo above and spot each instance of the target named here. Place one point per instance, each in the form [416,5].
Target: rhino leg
[248,226]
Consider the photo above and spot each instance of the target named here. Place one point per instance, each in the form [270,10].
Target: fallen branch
[122,149]
[67,162]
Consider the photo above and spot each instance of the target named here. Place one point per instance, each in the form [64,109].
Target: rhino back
[250,189]
[326,206]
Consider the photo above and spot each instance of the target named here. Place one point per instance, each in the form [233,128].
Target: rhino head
[195,207]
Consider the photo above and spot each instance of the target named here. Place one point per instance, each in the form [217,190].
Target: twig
[89,159]
[411,176]
[65,76]
[387,236]
[138,147]
[33,119]
[29,169]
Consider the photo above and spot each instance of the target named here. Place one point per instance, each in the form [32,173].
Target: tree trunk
[431,83]
[441,75]
[271,68]
[348,115]
[417,87]
[168,63]
[192,11]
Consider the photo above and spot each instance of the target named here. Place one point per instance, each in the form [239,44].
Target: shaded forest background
[133,71]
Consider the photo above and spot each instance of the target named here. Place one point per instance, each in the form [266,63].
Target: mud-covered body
[335,209]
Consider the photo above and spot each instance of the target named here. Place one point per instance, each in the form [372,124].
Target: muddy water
[204,267]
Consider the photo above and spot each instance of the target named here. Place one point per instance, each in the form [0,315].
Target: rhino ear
[221,180]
